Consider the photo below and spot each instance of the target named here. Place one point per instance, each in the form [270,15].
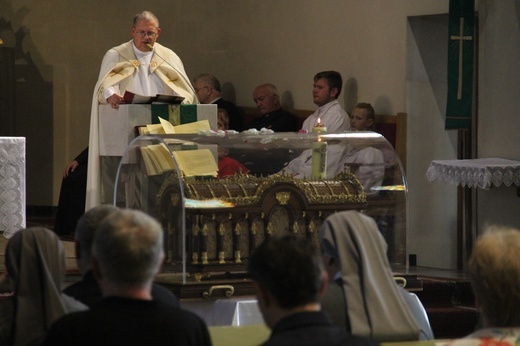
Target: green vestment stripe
[460,64]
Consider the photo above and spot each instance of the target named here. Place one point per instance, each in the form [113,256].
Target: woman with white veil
[364,296]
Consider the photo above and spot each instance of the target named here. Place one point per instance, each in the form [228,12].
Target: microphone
[150,47]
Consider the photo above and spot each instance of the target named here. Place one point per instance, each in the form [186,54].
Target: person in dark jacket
[87,290]
[289,278]
[127,253]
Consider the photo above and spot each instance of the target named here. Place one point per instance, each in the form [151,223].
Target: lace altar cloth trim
[12,184]
[482,173]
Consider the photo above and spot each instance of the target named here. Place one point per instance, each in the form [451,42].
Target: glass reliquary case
[218,195]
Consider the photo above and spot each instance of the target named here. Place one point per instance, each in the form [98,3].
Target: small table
[12,185]
[482,173]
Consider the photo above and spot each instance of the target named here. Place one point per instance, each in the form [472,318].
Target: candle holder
[319,159]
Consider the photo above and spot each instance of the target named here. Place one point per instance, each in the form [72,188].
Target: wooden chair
[393,127]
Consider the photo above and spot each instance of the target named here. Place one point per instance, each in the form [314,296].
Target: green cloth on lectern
[160,110]
[182,114]
[188,114]
[176,114]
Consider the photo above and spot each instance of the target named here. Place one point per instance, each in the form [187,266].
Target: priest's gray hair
[146,16]
[128,247]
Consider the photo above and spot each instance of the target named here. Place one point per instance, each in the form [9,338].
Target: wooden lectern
[117,128]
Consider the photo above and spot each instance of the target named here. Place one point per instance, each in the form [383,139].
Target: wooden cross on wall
[461,38]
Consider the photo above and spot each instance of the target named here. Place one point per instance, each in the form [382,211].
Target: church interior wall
[432,219]
[498,118]
[245,43]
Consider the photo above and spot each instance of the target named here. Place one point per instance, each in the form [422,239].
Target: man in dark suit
[208,91]
[127,253]
[289,280]
[273,116]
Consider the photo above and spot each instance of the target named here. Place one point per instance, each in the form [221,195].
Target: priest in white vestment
[143,67]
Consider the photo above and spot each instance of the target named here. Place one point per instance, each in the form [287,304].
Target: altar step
[450,306]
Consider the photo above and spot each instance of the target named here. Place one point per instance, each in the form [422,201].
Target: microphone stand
[150,47]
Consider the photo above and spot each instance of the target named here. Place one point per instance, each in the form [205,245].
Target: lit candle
[319,127]
[319,159]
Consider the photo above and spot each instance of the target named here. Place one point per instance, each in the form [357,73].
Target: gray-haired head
[146,16]
[494,271]
[128,248]
[86,228]
[208,79]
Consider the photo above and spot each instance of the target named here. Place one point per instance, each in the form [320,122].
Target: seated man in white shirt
[326,89]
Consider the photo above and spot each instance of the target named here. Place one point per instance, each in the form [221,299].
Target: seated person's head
[222,124]
[362,117]
[288,275]
[84,234]
[327,87]
[222,119]
[494,271]
[355,254]
[266,98]
[127,251]
[32,255]
[207,88]
[35,263]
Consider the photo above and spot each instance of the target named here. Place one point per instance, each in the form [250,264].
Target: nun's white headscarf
[35,260]
[375,305]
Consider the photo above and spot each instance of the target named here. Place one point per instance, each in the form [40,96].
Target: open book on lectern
[130,97]
[192,163]
[165,127]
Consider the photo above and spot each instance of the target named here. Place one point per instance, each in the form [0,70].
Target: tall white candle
[319,159]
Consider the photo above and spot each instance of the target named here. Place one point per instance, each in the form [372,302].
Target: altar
[12,185]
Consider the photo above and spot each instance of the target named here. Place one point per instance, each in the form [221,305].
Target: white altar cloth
[12,185]
[226,311]
[482,173]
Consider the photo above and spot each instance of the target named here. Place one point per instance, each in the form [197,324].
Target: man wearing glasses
[141,66]
[208,90]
